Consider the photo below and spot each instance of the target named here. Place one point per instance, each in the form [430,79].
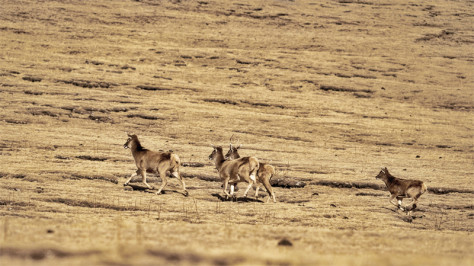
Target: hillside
[328,92]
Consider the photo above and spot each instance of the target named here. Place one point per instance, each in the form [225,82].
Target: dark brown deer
[234,171]
[153,162]
[402,188]
[264,174]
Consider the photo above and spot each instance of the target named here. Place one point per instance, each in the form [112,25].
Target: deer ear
[128,134]
[240,146]
[386,170]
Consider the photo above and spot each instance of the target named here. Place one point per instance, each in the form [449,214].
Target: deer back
[241,166]
[400,186]
[152,159]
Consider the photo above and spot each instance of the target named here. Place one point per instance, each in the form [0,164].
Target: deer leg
[400,205]
[181,180]
[391,200]
[232,186]
[143,173]
[128,181]
[394,203]
[256,191]
[226,183]
[269,189]
[411,207]
[413,202]
[164,181]
[248,188]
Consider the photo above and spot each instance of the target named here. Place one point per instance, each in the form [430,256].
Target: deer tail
[423,188]
[272,172]
[254,166]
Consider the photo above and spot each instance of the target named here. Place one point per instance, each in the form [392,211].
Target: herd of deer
[234,169]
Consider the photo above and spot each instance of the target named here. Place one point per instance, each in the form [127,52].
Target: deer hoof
[186,193]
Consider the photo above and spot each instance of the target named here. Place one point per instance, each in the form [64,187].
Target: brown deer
[153,162]
[402,188]
[234,171]
[264,174]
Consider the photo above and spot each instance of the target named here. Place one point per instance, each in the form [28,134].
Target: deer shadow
[153,190]
[237,199]
[402,215]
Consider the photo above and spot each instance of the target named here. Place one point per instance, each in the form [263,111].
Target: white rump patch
[253,178]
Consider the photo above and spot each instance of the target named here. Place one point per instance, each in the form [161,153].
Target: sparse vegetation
[326,91]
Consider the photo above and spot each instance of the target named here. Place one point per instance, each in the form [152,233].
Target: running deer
[402,188]
[264,174]
[153,162]
[234,171]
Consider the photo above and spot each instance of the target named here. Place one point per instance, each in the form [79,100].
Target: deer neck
[387,179]
[219,160]
[135,147]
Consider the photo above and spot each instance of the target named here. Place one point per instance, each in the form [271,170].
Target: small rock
[285,242]
[128,188]
[50,231]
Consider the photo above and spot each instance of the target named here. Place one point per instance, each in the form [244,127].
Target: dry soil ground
[326,91]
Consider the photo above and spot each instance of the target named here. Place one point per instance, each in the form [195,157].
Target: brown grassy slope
[327,91]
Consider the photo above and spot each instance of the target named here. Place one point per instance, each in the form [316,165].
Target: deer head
[233,150]
[127,144]
[216,151]
[382,174]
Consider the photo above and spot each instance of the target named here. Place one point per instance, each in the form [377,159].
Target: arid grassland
[328,92]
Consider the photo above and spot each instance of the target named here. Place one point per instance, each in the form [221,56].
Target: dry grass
[328,92]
